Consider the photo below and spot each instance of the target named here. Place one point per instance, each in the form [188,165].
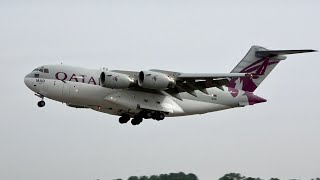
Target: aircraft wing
[189,82]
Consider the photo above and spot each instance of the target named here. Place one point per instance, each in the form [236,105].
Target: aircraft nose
[27,81]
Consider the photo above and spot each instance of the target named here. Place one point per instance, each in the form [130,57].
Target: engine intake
[155,80]
[115,80]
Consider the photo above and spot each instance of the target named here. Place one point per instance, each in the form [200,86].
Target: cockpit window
[41,69]
[36,75]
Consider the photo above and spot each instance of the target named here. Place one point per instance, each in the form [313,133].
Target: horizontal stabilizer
[271,53]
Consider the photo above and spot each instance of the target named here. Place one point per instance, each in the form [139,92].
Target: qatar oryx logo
[257,68]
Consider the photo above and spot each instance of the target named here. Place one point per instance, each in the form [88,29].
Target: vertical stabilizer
[259,61]
[255,64]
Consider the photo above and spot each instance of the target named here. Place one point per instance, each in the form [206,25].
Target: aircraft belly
[136,100]
[87,94]
[215,100]
[114,101]
[198,107]
[55,90]
[76,93]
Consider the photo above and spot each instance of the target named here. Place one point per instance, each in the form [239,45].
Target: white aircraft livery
[156,94]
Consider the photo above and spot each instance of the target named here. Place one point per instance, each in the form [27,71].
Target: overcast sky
[280,138]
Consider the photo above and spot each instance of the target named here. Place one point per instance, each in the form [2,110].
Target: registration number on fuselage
[40,80]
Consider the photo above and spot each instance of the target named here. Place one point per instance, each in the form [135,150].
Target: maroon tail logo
[247,83]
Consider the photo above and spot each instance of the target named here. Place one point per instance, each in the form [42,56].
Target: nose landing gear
[41,103]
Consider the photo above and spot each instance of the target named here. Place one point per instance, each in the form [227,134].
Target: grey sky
[280,138]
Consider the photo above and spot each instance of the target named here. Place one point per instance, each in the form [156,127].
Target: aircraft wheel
[41,103]
[124,119]
[154,115]
[136,120]
[161,116]
[158,116]
[147,115]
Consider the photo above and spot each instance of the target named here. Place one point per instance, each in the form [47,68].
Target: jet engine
[155,80]
[116,80]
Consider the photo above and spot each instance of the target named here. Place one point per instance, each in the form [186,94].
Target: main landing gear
[124,119]
[41,103]
[138,118]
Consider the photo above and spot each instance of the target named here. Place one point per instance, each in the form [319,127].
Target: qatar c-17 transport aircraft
[156,94]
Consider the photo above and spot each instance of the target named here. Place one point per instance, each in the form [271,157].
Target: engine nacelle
[116,80]
[155,80]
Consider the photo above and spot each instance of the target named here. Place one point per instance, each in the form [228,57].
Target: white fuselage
[80,87]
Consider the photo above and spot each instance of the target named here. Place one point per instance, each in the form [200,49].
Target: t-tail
[259,62]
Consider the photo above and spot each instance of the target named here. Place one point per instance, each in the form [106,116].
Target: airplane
[156,94]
